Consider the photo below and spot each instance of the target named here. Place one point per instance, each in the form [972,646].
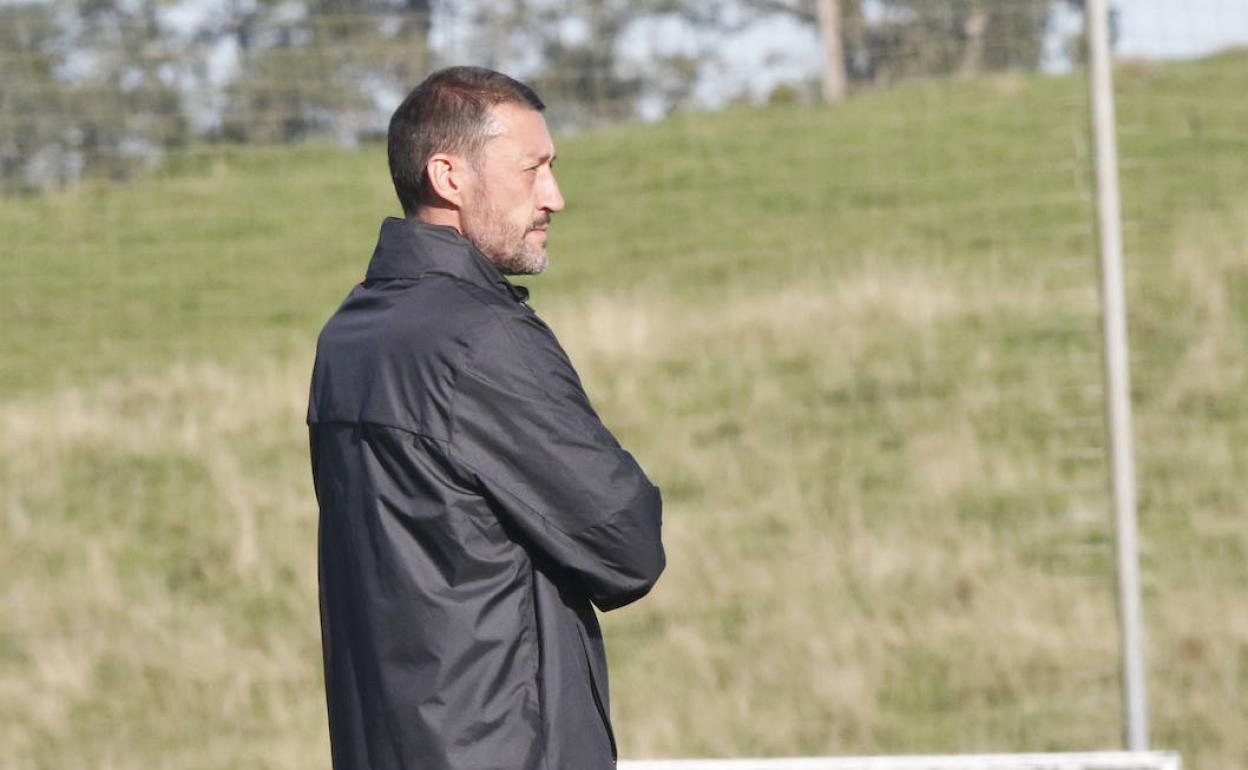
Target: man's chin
[526,261]
[535,267]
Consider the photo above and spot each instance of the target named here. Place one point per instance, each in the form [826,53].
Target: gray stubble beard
[512,255]
[524,260]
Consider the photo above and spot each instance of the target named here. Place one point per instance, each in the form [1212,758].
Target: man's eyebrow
[545,157]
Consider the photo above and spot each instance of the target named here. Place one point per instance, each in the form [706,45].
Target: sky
[1180,28]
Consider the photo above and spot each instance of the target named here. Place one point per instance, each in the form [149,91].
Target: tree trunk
[974,26]
[829,12]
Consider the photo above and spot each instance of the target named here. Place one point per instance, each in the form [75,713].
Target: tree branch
[781,6]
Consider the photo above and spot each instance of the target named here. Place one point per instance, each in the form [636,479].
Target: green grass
[857,347]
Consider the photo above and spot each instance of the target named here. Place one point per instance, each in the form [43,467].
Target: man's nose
[551,199]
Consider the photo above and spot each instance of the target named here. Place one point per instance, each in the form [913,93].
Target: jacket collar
[409,248]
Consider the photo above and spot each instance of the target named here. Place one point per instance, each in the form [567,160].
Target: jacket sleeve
[524,432]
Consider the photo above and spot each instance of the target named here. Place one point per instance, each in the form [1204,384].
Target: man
[473,507]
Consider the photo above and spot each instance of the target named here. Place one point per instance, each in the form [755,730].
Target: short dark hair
[448,112]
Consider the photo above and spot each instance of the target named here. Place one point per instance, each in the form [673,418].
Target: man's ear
[447,175]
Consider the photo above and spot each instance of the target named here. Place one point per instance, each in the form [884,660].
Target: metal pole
[1117,377]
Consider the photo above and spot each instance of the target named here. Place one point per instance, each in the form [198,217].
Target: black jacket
[472,507]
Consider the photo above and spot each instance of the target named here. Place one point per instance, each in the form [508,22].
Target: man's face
[512,196]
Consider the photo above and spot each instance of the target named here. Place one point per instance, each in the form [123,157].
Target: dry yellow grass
[851,571]
[117,658]
[791,602]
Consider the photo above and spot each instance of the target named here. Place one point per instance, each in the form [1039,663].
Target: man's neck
[444,216]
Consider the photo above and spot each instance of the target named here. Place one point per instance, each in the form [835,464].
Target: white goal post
[1101,760]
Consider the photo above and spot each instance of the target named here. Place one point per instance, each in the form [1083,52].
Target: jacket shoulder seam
[624,509]
[376,423]
[450,449]
[500,321]
[470,290]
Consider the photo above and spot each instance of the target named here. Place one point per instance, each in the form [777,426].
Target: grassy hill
[857,347]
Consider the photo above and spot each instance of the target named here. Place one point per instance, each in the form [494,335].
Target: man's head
[469,148]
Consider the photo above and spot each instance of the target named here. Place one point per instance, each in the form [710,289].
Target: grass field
[858,348]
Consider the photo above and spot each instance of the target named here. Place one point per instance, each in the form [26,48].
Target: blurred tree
[85,88]
[582,67]
[830,16]
[29,134]
[952,37]
[132,106]
[100,86]
[573,52]
[334,67]
[104,86]
[905,38]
